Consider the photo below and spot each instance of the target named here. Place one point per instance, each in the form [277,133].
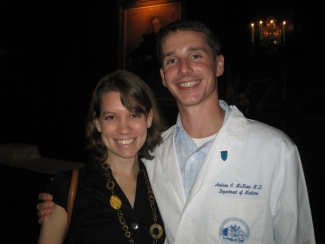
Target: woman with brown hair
[114,200]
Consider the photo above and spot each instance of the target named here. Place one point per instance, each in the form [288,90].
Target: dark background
[52,53]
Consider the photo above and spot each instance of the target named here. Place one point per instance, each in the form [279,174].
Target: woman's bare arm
[53,227]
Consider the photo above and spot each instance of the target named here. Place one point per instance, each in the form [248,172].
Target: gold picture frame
[134,22]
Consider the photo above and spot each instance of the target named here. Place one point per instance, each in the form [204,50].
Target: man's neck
[202,121]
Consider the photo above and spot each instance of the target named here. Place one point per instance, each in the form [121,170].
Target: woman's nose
[124,127]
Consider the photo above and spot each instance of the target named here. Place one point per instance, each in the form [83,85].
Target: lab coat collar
[236,126]
[169,163]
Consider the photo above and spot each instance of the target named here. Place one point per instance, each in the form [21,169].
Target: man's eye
[171,61]
[196,56]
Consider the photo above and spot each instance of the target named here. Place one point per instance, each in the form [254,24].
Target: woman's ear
[149,119]
[97,124]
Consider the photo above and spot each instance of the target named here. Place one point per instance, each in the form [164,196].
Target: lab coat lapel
[170,165]
[234,129]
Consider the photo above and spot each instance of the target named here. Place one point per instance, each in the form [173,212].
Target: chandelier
[270,35]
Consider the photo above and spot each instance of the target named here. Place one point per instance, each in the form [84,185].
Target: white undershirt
[200,141]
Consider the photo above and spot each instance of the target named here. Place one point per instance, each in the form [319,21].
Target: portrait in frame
[139,23]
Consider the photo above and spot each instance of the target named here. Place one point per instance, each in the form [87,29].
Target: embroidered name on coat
[238,188]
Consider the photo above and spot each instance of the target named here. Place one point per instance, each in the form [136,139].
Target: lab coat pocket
[233,221]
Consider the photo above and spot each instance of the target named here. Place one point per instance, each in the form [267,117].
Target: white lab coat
[256,195]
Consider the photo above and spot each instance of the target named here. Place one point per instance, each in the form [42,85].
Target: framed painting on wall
[140,21]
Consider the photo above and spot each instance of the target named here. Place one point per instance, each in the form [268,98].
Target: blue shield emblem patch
[224,155]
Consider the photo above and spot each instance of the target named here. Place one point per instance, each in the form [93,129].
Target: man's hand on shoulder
[45,207]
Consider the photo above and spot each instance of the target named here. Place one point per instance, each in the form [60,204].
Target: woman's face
[122,132]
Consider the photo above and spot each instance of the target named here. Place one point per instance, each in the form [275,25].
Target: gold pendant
[115,202]
[160,231]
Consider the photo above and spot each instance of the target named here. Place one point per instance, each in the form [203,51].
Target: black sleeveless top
[93,219]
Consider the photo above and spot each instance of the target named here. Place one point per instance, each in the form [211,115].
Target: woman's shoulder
[59,187]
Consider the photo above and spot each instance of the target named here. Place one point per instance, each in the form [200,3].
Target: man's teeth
[125,141]
[189,84]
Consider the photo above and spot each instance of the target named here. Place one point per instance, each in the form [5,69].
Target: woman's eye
[110,117]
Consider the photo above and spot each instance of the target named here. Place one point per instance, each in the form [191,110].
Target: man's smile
[189,83]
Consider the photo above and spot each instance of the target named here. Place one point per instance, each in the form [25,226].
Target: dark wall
[52,53]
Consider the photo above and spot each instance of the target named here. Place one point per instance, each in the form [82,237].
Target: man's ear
[220,62]
[162,77]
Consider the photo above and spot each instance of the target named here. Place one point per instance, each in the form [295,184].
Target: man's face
[156,25]
[189,69]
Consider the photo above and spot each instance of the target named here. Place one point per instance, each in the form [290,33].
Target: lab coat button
[193,158]
[186,220]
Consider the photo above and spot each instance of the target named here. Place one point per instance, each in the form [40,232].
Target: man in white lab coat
[219,177]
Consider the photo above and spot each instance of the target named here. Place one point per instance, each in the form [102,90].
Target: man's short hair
[188,25]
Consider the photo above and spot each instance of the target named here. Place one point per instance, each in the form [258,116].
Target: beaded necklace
[116,203]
